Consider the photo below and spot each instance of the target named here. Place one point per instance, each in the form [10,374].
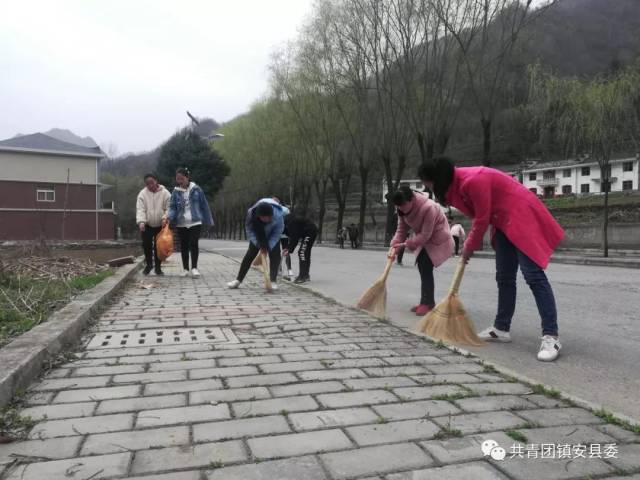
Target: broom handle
[457,278]
[387,267]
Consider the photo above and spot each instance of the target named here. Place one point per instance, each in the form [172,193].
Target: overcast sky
[125,71]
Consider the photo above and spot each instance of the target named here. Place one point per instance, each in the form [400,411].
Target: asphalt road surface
[598,310]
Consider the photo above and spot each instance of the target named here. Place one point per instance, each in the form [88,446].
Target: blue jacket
[272,230]
[200,211]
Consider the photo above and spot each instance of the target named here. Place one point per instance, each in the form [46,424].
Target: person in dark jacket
[264,225]
[301,229]
[353,235]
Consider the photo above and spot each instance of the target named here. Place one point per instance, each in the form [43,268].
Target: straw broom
[448,321]
[374,300]
[265,271]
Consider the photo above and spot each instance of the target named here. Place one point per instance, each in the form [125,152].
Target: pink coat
[494,198]
[430,227]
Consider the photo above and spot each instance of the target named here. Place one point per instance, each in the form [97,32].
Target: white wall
[31,167]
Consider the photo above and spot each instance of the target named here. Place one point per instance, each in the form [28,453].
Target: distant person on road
[353,235]
[431,242]
[189,211]
[301,229]
[458,234]
[399,251]
[342,236]
[524,235]
[264,225]
[151,208]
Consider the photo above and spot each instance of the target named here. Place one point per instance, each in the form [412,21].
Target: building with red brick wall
[51,189]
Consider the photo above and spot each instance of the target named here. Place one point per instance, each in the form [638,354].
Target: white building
[581,177]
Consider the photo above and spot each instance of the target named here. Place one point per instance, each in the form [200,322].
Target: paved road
[599,317]
[186,380]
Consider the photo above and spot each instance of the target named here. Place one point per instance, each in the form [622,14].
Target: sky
[125,71]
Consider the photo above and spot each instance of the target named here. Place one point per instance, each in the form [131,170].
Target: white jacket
[458,231]
[151,207]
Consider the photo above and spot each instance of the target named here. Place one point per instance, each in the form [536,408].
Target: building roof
[39,142]
[575,162]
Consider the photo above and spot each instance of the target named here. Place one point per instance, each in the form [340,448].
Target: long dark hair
[440,171]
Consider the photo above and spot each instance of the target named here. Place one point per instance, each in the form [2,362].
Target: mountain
[585,37]
[70,137]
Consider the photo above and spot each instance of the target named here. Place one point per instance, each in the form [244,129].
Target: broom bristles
[374,300]
[449,322]
[257,261]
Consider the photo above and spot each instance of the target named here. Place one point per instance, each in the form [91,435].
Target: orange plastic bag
[164,243]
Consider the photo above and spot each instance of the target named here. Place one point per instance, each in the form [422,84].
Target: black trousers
[284,243]
[354,242]
[425,267]
[400,255]
[304,254]
[149,245]
[456,241]
[189,238]
[249,257]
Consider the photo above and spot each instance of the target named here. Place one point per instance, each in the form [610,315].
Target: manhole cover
[158,337]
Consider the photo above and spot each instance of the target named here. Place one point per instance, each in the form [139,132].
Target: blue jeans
[508,258]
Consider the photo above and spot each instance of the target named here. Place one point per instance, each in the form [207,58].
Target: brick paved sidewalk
[289,386]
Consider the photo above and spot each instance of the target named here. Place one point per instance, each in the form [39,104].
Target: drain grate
[159,337]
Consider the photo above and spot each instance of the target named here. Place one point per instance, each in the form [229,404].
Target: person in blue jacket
[188,211]
[264,226]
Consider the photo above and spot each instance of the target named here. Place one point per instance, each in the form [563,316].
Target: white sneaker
[233,284]
[549,349]
[274,287]
[195,273]
[492,334]
[290,273]
[185,273]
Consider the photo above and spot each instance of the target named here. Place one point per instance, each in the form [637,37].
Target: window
[586,171]
[627,166]
[627,185]
[46,193]
[549,174]
[566,173]
[605,186]
[566,189]
[534,191]
[532,176]
[584,188]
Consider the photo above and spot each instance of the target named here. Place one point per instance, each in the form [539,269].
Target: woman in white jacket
[151,210]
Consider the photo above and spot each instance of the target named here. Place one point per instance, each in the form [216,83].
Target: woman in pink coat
[524,235]
[431,240]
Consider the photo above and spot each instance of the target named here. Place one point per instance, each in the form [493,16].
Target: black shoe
[146,270]
[300,280]
[159,271]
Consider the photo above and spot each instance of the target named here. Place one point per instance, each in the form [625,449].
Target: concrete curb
[23,359]
[559,258]
[580,402]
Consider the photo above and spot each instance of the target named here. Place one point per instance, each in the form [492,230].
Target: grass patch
[611,418]
[26,302]
[447,431]
[451,397]
[382,420]
[516,435]
[13,425]
[547,392]
[488,369]
[89,281]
